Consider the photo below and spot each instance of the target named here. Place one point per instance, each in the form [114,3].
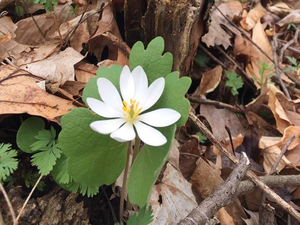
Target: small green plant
[202,137]
[201,58]
[234,82]
[142,217]
[48,5]
[292,25]
[42,144]
[8,162]
[30,178]
[295,67]
[73,9]
[263,67]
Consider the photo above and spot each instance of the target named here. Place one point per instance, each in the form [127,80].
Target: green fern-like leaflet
[8,162]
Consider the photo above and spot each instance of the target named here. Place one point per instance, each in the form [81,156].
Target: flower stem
[136,148]
[124,185]
[135,152]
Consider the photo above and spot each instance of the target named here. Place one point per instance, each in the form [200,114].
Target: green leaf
[173,96]
[46,159]
[60,171]
[143,217]
[7,161]
[112,73]
[94,159]
[292,60]
[234,82]
[153,62]
[202,137]
[201,58]
[19,10]
[27,132]
[43,138]
[147,167]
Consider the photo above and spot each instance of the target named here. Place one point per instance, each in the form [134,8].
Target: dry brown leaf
[219,118]
[279,8]
[216,35]
[252,17]
[58,68]
[282,121]
[172,199]
[242,46]
[270,155]
[254,218]
[210,80]
[85,71]
[19,93]
[293,17]
[224,217]
[108,35]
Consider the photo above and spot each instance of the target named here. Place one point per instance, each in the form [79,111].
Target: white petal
[103,109]
[153,93]
[140,82]
[109,93]
[160,117]
[126,84]
[107,126]
[149,135]
[125,133]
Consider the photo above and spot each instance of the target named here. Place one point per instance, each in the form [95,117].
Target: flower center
[132,110]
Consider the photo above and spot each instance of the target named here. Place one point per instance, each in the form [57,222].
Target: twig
[249,173]
[284,149]
[244,34]
[58,30]
[110,206]
[12,212]
[210,205]
[277,69]
[216,103]
[211,55]
[274,181]
[28,197]
[245,76]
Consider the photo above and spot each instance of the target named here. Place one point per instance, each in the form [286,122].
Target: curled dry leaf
[19,93]
[252,17]
[210,80]
[172,199]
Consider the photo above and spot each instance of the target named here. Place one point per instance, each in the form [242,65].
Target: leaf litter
[270,114]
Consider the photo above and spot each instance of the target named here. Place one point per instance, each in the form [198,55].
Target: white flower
[125,113]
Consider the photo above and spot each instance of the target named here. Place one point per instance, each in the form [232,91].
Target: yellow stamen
[132,110]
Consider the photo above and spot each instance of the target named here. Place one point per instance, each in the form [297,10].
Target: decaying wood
[179,22]
[56,207]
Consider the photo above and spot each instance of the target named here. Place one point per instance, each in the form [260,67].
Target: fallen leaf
[172,199]
[217,35]
[210,80]
[293,17]
[252,17]
[219,118]
[58,68]
[19,93]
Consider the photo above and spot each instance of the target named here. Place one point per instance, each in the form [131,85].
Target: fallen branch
[272,195]
[220,196]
